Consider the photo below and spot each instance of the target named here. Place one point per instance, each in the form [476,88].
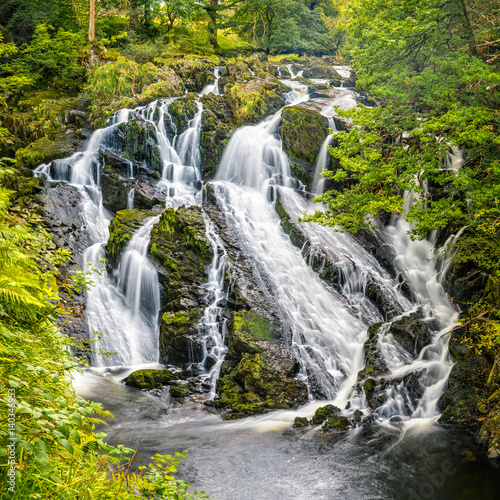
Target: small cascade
[414,260]
[254,156]
[214,87]
[130,199]
[279,72]
[343,71]
[188,148]
[126,314]
[212,327]
[318,186]
[454,159]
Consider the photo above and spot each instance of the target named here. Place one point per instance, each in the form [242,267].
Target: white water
[318,186]
[130,199]
[327,325]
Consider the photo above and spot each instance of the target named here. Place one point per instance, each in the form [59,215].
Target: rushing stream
[261,457]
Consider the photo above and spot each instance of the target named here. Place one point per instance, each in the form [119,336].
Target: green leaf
[67,445]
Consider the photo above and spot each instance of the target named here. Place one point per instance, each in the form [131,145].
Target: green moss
[121,227]
[149,379]
[369,387]
[323,413]
[303,132]
[45,150]
[178,391]
[300,422]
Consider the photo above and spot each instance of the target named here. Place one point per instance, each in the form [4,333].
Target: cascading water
[212,326]
[318,186]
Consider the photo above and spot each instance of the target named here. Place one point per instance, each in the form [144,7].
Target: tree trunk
[468,28]
[92,21]
[212,24]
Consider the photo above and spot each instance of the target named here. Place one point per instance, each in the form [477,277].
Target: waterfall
[123,309]
[130,199]
[318,186]
[212,327]
[214,87]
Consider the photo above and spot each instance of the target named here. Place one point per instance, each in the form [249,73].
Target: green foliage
[58,453]
[436,93]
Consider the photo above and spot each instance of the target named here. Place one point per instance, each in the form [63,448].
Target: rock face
[465,400]
[218,123]
[489,434]
[303,132]
[121,228]
[182,253]
[257,375]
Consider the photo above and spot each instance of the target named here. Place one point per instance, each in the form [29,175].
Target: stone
[300,422]
[324,413]
[149,379]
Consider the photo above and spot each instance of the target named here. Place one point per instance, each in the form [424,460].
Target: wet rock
[303,131]
[258,374]
[137,141]
[61,215]
[296,236]
[121,228]
[324,413]
[245,289]
[182,254]
[300,422]
[181,111]
[465,399]
[178,391]
[413,333]
[336,423]
[374,362]
[149,379]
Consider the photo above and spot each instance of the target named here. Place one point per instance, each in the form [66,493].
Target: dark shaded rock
[62,216]
[258,374]
[374,363]
[121,228]
[324,413]
[182,253]
[300,422]
[149,379]
[465,399]
[296,236]
[413,333]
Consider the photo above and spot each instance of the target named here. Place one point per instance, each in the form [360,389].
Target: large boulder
[196,73]
[182,253]
[180,112]
[258,373]
[303,132]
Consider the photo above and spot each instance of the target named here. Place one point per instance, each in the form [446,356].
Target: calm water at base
[250,461]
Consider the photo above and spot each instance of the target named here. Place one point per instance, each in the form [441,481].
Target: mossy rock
[149,379]
[46,149]
[374,362]
[336,423]
[180,248]
[300,422]
[323,71]
[324,413]
[181,111]
[258,376]
[178,391]
[121,228]
[303,132]
[196,73]
[178,337]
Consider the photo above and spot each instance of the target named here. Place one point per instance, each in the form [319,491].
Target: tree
[92,21]
[417,57]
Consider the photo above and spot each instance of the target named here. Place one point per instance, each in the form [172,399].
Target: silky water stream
[405,456]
